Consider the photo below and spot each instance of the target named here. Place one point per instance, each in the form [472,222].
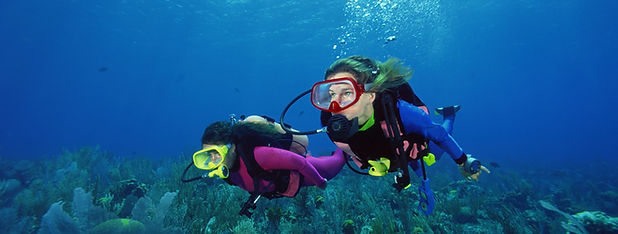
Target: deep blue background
[536,79]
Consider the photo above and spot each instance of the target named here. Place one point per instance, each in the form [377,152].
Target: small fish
[102,69]
[301,113]
[389,39]
[494,164]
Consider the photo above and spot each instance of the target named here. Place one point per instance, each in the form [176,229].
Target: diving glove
[471,168]
[472,165]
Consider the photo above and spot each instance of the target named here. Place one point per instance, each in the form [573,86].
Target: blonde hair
[383,75]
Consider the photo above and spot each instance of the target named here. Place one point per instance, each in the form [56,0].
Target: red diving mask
[337,94]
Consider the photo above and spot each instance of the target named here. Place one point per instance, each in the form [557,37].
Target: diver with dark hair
[256,156]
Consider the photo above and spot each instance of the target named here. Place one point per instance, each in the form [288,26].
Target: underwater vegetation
[93,191]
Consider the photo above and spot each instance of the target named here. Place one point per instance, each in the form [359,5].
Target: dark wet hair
[224,132]
[217,133]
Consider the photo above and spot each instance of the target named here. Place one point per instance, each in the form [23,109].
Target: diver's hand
[471,176]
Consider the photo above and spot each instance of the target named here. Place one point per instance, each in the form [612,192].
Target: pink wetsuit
[315,170]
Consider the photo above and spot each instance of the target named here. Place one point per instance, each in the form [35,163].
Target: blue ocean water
[536,79]
[141,79]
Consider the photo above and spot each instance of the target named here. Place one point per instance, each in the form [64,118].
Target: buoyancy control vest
[374,142]
[286,183]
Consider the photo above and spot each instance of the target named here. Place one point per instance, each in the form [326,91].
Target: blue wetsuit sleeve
[415,120]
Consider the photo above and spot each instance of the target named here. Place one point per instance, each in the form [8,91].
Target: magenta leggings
[328,166]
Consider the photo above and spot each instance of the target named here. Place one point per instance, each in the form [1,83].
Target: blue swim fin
[447,110]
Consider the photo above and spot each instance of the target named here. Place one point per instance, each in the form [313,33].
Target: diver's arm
[270,158]
[416,120]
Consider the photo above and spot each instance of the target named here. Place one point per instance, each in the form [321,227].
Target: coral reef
[92,191]
[597,221]
[119,226]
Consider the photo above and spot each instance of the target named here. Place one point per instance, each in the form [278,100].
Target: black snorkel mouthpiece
[340,129]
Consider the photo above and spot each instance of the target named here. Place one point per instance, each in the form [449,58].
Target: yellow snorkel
[221,171]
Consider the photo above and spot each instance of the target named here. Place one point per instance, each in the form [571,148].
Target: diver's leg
[435,150]
[416,120]
[328,166]
[448,115]
[448,123]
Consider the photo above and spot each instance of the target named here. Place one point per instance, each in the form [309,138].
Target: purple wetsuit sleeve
[415,120]
[270,158]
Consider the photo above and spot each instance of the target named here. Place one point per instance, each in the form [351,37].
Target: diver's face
[216,157]
[343,93]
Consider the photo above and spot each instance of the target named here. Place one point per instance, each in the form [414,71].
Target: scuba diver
[370,112]
[256,155]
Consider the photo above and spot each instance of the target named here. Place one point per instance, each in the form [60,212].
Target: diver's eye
[348,94]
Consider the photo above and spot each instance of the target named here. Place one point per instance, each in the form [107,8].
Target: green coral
[245,226]
[119,226]
[35,200]
[598,221]
[106,201]
[211,206]
[319,200]
[348,226]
